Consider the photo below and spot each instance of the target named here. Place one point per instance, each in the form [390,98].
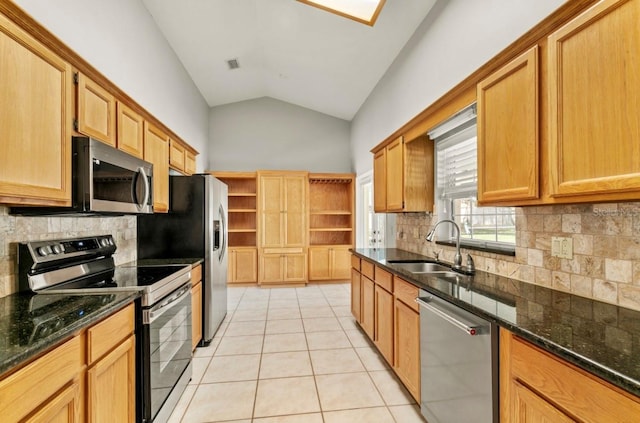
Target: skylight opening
[363,11]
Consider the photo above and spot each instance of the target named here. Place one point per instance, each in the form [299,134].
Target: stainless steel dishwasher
[459,364]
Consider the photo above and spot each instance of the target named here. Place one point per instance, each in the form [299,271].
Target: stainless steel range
[163,329]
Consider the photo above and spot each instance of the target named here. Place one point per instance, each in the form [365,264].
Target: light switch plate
[562,247]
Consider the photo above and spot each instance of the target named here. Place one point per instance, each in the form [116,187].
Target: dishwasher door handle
[471,328]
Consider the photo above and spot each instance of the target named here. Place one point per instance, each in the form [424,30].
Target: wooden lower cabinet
[196,314]
[62,408]
[111,388]
[383,319]
[243,265]
[89,378]
[406,346]
[356,292]
[537,386]
[329,263]
[367,313]
[283,268]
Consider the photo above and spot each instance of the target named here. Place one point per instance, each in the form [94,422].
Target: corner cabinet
[156,151]
[508,142]
[594,126]
[403,176]
[35,87]
[536,386]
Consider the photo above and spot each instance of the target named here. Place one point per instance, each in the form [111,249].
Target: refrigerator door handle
[223,232]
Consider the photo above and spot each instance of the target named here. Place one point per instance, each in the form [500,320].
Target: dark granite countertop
[33,323]
[601,338]
[162,262]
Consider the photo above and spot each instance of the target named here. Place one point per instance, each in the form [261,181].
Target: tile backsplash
[606,249]
[15,229]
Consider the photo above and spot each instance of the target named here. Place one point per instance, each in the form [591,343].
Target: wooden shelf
[330,212]
[237,231]
[331,205]
[242,210]
[330,229]
[242,194]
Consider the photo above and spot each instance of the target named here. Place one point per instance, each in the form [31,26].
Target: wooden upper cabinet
[380,181]
[403,176]
[176,155]
[508,142]
[594,81]
[156,151]
[96,114]
[395,173]
[189,162]
[35,123]
[130,131]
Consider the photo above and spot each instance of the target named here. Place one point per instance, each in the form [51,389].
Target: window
[363,11]
[456,188]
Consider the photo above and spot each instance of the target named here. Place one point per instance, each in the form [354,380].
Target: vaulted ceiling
[286,49]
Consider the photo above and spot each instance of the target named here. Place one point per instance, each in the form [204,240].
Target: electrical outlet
[562,247]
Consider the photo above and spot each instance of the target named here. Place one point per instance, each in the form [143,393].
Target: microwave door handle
[145,180]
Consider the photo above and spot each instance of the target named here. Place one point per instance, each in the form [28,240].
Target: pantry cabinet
[156,151]
[536,385]
[130,131]
[403,175]
[96,110]
[594,113]
[35,99]
[508,142]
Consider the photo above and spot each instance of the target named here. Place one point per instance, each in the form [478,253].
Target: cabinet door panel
[395,175]
[271,268]
[156,151]
[356,289]
[384,323]
[340,263]
[528,407]
[295,206]
[380,181]
[245,265]
[196,314]
[594,82]
[367,304]
[176,155]
[271,211]
[62,408]
[35,86]
[406,349]
[130,131]
[295,267]
[111,386]
[508,131]
[96,111]
[319,263]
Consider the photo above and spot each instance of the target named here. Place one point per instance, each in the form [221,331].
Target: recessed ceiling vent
[233,64]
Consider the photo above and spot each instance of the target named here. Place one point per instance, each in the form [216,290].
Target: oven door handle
[159,309]
[471,328]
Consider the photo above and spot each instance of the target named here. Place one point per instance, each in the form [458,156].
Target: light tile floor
[292,355]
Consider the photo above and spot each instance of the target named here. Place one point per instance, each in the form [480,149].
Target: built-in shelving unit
[242,207]
[331,204]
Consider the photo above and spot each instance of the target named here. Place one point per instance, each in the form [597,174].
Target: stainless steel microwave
[105,180]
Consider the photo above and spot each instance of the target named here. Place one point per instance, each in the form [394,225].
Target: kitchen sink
[421,267]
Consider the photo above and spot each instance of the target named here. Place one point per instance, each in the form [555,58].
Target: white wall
[122,41]
[271,134]
[455,39]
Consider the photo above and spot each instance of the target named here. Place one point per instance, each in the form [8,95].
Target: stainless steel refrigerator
[195,227]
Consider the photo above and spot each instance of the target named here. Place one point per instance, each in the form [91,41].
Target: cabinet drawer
[102,337]
[406,292]
[587,397]
[355,262]
[366,268]
[196,274]
[384,279]
[29,387]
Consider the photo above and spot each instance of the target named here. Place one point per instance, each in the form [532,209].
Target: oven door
[166,357]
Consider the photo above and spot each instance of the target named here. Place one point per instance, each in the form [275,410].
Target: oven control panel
[52,250]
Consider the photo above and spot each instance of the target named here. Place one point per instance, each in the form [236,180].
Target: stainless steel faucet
[457,260]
